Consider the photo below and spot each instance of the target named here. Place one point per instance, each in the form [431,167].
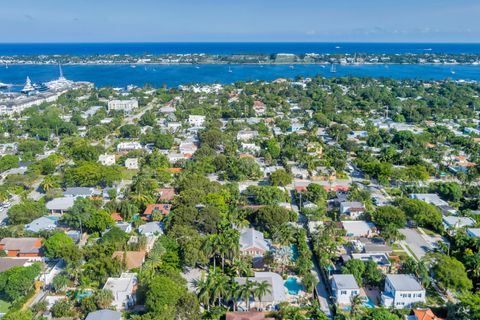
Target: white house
[252,243]
[430,198]
[245,135]
[454,222]
[107,159]
[131,163]
[123,105]
[196,121]
[353,209]
[344,288]
[123,290]
[401,291]
[129,146]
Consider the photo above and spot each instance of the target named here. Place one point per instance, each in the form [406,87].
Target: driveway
[416,242]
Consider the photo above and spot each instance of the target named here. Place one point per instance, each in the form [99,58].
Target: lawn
[128,174]
[4,306]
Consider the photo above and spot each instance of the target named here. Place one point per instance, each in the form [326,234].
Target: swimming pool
[293,286]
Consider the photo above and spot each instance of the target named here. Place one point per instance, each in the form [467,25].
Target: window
[343,292]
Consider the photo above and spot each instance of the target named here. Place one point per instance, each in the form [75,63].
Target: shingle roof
[104,315]
[251,238]
[404,282]
[345,281]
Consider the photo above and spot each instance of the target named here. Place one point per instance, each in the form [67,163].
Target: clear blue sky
[241,20]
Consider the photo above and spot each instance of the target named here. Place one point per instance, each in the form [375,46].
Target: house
[248,315]
[128,146]
[132,259]
[9,262]
[423,314]
[354,209]
[344,288]
[104,315]
[277,289]
[252,243]
[357,229]
[80,192]
[166,194]
[164,209]
[123,289]
[60,205]
[107,159]
[21,247]
[42,224]
[454,222]
[473,232]
[381,259]
[246,135]
[124,226]
[430,198]
[123,105]
[401,291]
[259,108]
[151,228]
[131,164]
[195,120]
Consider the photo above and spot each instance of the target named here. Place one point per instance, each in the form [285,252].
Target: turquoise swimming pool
[293,286]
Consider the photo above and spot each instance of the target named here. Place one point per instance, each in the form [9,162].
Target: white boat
[197,67]
[292,67]
[333,69]
[4,85]
[6,65]
[230,70]
[337,47]
[132,66]
[452,71]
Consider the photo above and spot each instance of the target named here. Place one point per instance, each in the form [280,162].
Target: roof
[40,224]
[425,314]
[125,283]
[151,227]
[116,216]
[249,315]
[133,259]
[63,203]
[163,208]
[7,263]
[166,194]
[104,315]
[23,245]
[276,285]
[345,281]
[251,238]
[357,228]
[404,282]
[458,222]
[79,192]
[431,198]
[474,232]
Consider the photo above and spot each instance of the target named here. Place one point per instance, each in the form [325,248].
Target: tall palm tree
[220,287]
[234,291]
[204,287]
[261,289]
[103,298]
[246,292]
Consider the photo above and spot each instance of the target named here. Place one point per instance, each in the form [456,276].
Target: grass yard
[4,306]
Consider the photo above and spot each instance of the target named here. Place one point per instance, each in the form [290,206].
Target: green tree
[280,178]
[55,245]
[26,211]
[163,295]
[356,268]
[450,273]
[389,215]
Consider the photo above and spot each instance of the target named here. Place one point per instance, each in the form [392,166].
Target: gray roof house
[60,205]
[454,222]
[151,228]
[344,288]
[277,294]
[83,192]
[252,243]
[41,224]
[104,315]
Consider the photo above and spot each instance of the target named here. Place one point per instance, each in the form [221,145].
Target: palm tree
[204,286]
[261,289]
[356,304]
[234,292]
[48,183]
[220,287]
[246,292]
[284,235]
[309,281]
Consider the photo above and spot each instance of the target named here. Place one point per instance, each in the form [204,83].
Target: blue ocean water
[233,47]
[174,75]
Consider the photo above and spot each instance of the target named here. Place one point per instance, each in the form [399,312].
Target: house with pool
[344,288]
[271,299]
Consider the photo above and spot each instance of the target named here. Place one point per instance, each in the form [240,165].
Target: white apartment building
[401,291]
[123,105]
[131,163]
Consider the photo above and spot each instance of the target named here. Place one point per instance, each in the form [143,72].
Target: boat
[133,66]
[337,47]
[197,67]
[333,69]
[230,70]
[452,71]
[6,65]
[292,67]
[4,85]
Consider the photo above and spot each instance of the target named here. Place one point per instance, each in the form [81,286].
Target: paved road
[416,242]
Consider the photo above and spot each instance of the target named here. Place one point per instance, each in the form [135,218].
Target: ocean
[174,75]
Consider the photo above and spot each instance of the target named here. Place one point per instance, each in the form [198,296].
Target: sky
[240,20]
